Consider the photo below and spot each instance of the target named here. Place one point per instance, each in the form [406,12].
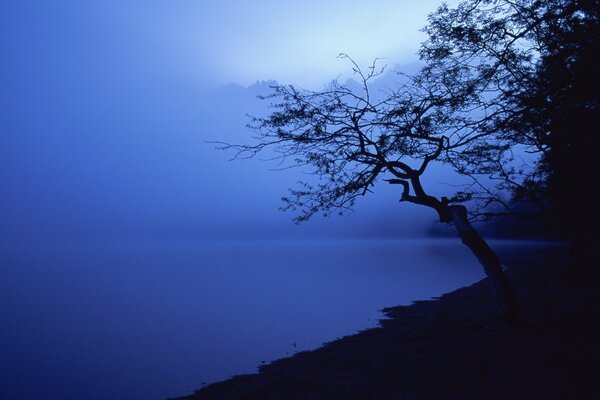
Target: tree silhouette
[493,50]
[561,115]
[480,62]
[352,139]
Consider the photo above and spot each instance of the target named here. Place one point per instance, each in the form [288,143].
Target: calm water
[149,320]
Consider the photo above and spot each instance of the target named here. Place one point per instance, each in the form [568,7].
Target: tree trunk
[503,293]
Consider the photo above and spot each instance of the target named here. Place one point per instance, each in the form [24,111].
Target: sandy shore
[452,348]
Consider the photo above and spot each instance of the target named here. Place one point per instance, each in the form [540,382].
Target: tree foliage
[561,114]
[538,60]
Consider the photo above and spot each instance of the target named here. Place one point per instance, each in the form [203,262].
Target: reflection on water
[148,320]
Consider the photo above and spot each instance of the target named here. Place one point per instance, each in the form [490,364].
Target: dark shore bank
[452,348]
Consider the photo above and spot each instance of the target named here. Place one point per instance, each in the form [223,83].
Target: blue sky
[106,106]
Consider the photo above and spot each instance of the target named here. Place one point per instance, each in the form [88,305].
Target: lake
[154,319]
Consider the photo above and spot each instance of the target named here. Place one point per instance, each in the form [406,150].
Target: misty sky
[293,41]
[106,107]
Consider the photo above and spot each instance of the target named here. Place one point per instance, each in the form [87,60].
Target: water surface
[153,319]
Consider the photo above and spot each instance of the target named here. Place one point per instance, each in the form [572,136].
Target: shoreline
[451,347]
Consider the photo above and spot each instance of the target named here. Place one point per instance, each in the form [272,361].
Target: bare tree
[351,139]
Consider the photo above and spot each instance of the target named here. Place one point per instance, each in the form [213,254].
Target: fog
[105,134]
[137,162]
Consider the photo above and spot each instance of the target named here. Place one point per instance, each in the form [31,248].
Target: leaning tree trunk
[503,293]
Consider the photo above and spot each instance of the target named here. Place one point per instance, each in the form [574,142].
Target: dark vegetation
[561,117]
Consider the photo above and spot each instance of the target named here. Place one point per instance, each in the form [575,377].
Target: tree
[494,48]
[479,62]
[538,60]
[351,140]
[562,115]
